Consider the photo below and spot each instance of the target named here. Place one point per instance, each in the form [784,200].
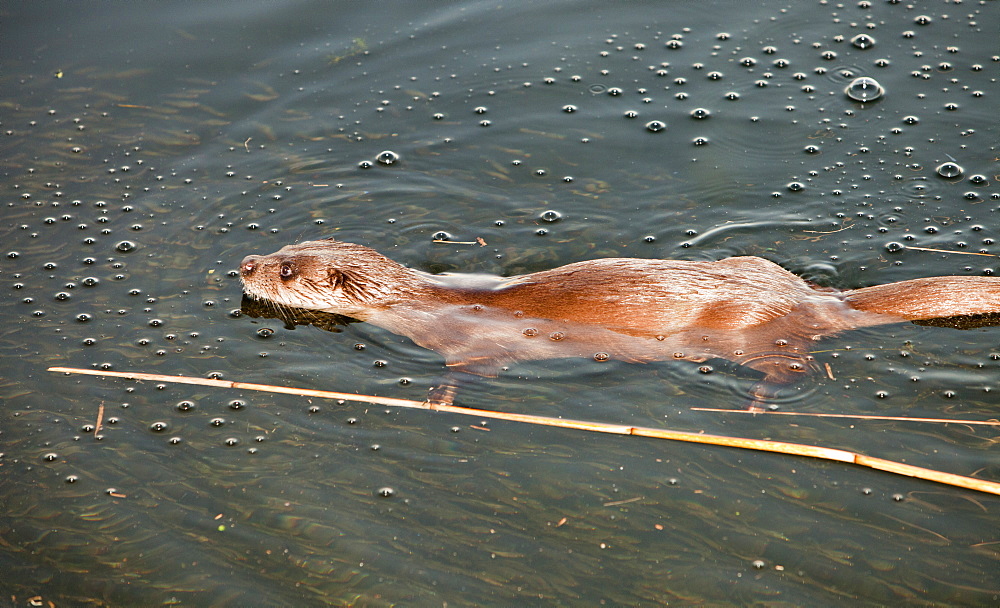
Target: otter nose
[248,265]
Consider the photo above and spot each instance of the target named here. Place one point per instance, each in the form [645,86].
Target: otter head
[327,275]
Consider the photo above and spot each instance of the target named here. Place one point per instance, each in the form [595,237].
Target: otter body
[744,309]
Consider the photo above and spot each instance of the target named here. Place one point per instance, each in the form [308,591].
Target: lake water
[147,147]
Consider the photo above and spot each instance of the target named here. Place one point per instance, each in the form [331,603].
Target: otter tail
[930,298]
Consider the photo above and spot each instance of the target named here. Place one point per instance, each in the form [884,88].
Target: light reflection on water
[202,133]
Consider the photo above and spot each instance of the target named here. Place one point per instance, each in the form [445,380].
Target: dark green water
[146,148]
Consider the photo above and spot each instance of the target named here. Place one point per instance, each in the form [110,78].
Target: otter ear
[350,284]
[335,278]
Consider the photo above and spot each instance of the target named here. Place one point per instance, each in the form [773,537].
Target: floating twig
[761,445]
[448,242]
[100,419]
[855,416]
[991,255]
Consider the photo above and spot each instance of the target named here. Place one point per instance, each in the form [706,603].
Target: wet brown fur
[744,309]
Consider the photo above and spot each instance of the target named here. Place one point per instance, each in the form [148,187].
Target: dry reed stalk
[761,445]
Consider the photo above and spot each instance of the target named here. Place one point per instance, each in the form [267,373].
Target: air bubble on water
[864,89]
[387,157]
[863,41]
[950,170]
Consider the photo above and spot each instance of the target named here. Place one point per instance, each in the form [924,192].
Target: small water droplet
[656,126]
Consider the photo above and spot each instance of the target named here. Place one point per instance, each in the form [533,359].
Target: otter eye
[286,271]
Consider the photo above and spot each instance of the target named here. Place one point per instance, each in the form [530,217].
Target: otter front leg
[781,372]
[773,389]
[443,392]
[763,394]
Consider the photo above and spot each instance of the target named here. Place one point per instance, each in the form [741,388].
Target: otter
[745,309]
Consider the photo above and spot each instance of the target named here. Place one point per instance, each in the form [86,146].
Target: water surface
[148,147]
